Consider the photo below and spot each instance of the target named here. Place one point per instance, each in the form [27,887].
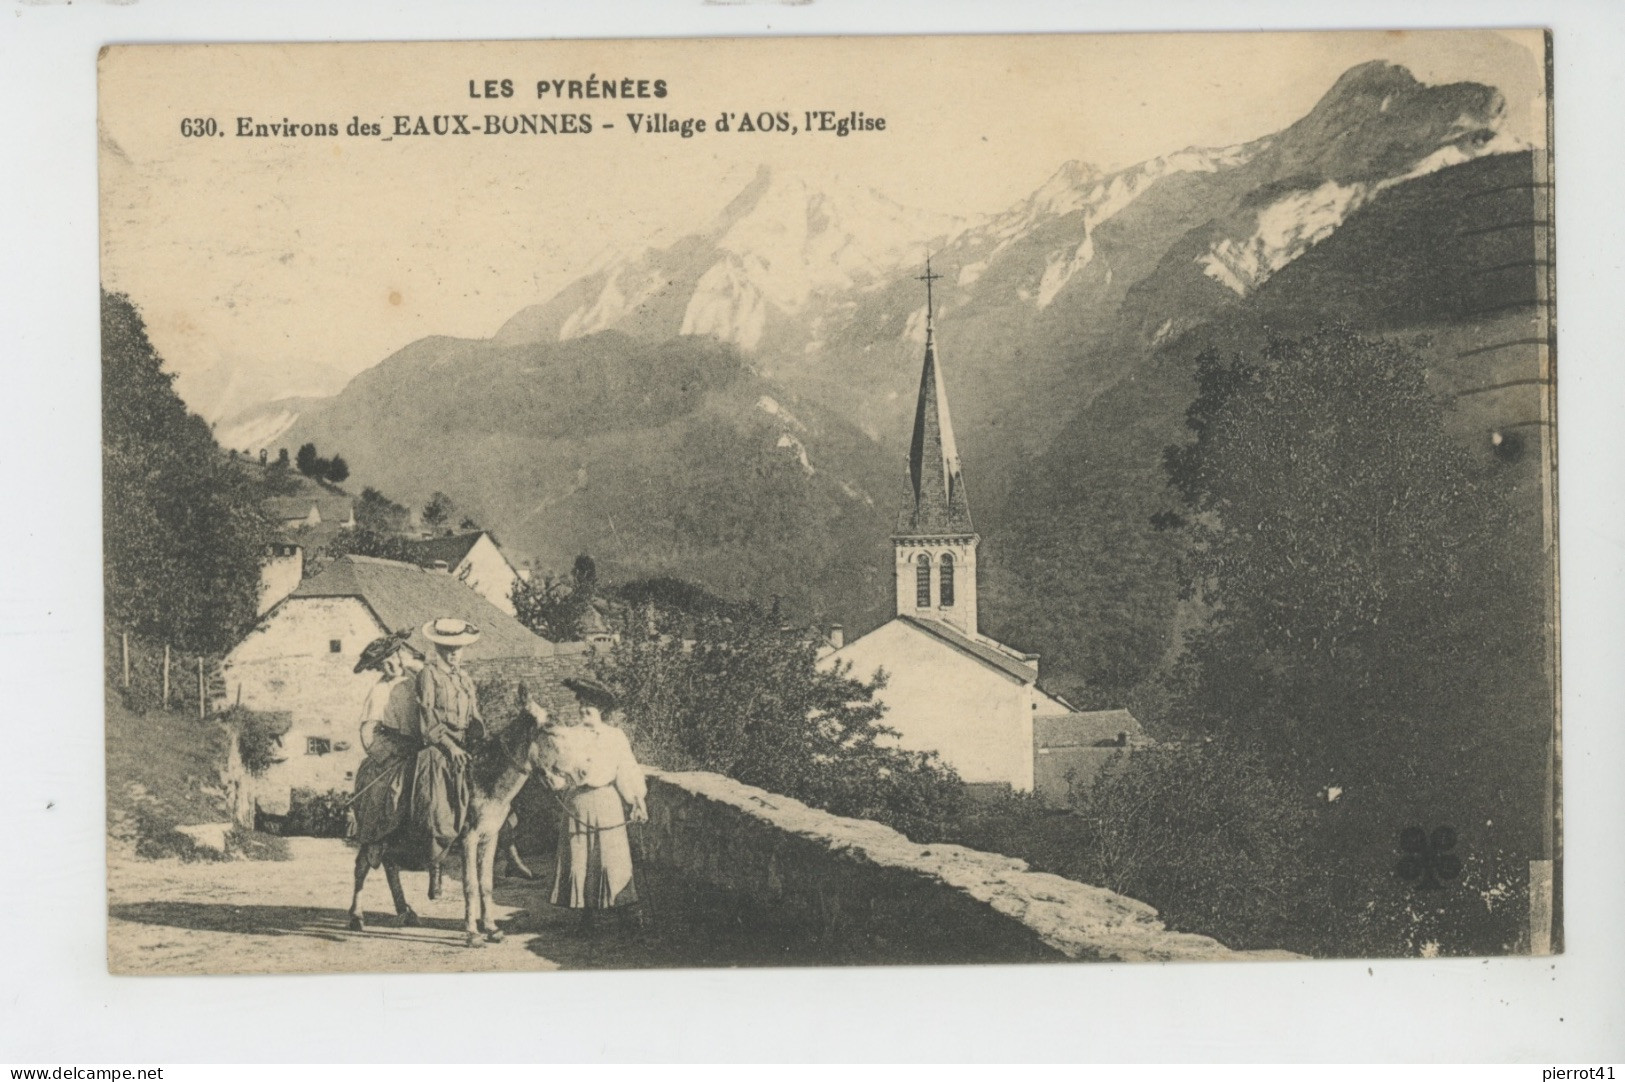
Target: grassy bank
[162,775]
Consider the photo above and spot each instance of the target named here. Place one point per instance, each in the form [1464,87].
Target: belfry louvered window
[945,581]
[922,581]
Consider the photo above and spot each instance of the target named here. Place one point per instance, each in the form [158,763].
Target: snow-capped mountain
[775,249]
[817,286]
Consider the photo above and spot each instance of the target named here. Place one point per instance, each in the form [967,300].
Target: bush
[1208,834]
[259,737]
[1205,833]
[748,699]
[318,815]
[1222,843]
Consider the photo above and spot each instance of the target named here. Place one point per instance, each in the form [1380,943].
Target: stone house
[308,510]
[475,558]
[299,661]
[280,574]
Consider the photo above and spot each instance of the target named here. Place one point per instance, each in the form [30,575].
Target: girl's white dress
[601,787]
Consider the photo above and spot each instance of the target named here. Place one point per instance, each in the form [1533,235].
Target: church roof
[936,503]
[1001,657]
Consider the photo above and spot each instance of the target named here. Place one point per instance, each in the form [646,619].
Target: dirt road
[249,916]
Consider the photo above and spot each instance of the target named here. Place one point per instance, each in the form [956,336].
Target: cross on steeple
[927,278]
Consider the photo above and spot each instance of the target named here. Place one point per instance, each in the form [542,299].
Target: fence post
[201,700]
[124,637]
[166,676]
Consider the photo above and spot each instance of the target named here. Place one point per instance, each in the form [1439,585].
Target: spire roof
[937,501]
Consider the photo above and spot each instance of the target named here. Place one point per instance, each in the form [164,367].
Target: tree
[365,541]
[1360,570]
[282,457]
[438,511]
[1370,604]
[338,470]
[184,532]
[551,608]
[584,572]
[378,513]
[307,460]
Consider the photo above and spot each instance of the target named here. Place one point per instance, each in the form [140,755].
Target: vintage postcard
[829,501]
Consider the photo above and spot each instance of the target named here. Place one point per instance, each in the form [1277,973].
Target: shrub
[749,699]
[1208,834]
[318,815]
[259,737]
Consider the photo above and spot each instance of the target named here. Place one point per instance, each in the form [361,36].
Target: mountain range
[733,407]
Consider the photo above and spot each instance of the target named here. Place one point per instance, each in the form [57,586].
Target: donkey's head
[536,739]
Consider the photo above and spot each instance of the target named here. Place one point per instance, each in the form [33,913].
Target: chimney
[837,636]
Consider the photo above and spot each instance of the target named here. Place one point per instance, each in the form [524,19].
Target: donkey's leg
[404,913]
[471,891]
[362,866]
[487,868]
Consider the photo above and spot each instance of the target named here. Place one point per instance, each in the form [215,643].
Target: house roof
[333,507]
[1083,729]
[451,548]
[1015,665]
[403,595]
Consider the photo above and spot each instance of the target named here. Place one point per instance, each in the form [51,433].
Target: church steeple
[935,540]
[936,481]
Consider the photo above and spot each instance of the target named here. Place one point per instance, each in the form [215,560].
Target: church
[950,689]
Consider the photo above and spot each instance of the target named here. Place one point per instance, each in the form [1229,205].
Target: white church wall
[939,699]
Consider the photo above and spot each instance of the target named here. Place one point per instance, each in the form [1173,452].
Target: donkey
[498,768]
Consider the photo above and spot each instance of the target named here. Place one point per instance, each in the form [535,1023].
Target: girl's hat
[592,692]
[450,631]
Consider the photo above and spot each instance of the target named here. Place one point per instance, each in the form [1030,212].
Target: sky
[269,267]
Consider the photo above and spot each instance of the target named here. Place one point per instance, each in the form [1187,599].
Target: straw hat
[450,631]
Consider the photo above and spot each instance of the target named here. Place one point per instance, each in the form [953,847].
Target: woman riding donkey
[391,736]
[412,793]
[431,799]
[448,712]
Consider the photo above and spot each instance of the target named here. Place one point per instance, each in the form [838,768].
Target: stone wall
[498,681]
[861,891]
